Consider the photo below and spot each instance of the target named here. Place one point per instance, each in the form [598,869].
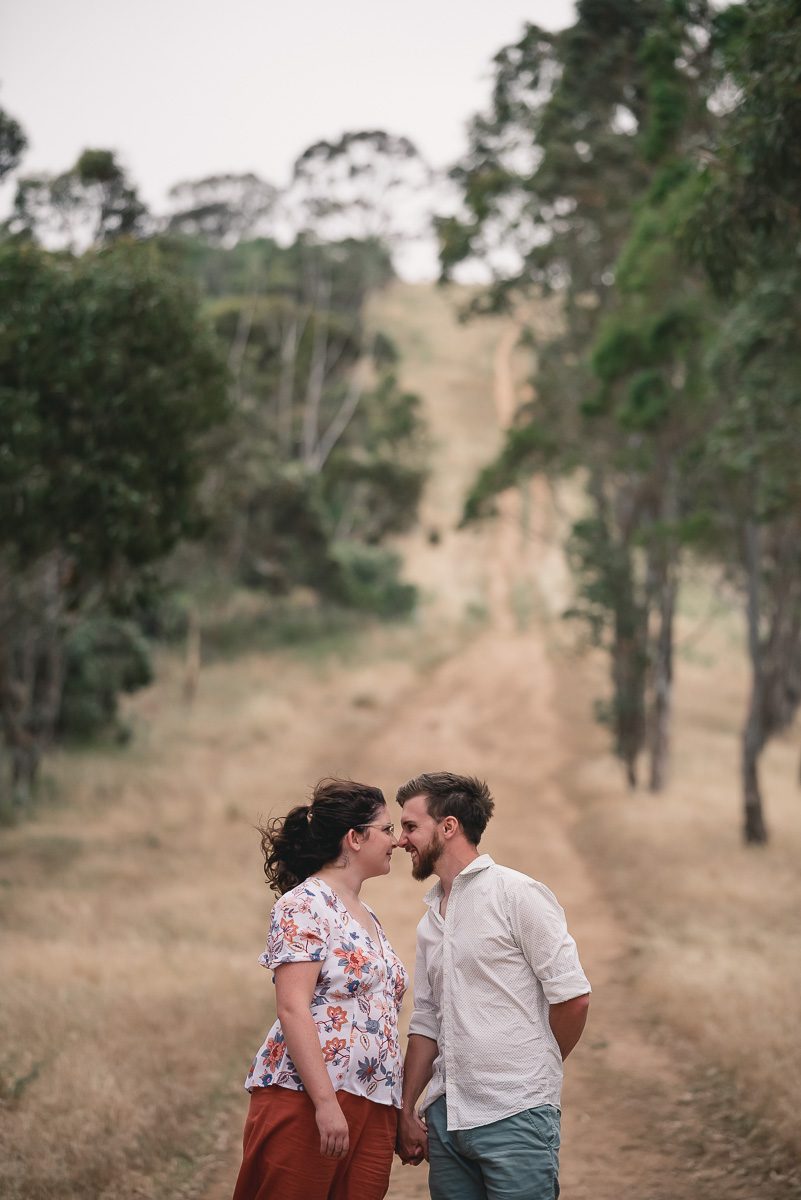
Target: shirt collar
[434,896]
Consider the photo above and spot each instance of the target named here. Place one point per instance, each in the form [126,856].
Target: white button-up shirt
[484,978]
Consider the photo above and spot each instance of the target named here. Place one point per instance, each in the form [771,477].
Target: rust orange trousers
[281,1157]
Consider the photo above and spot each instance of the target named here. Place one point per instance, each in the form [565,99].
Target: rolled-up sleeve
[425,1019]
[539,927]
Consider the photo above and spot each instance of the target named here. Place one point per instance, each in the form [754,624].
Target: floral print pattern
[356,999]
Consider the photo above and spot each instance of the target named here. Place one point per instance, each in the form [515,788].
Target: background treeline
[189,406]
[644,164]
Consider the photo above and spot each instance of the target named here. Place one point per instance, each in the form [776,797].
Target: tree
[581,124]
[324,447]
[744,230]
[367,186]
[93,203]
[222,209]
[13,143]
[109,381]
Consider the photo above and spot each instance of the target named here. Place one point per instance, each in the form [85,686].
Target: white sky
[186,88]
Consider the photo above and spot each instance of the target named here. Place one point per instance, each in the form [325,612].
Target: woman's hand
[333,1129]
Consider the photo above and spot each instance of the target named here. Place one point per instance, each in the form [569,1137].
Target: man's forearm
[567,1022]
[418,1067]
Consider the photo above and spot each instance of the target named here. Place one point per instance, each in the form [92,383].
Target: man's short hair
[449,795]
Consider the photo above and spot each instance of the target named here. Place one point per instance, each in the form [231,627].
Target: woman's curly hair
[310,835]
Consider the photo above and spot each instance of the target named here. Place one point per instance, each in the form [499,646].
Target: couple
[500,1000]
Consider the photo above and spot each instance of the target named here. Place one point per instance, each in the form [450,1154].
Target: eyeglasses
[390,829]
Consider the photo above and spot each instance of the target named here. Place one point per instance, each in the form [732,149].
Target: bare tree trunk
[22,747]
[316,381]
[659,732]
[290,337]
[628,676]
[192,672]
[239,345]
[754,828]
[342,418]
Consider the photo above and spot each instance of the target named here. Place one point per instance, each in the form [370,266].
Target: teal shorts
[516,1158]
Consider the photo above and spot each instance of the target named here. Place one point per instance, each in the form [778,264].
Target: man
[500,1000]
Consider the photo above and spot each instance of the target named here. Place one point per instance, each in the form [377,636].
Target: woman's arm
[294,988]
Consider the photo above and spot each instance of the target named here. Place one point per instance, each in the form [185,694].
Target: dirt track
[491,709]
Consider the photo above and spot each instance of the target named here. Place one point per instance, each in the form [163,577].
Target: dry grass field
[132,908]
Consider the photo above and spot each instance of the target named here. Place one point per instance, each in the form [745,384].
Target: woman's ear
[351,840]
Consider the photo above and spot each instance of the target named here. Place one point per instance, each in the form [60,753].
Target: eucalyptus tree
[295,488]
[580,123]
[110,380]
[93,203]
[222,209]
[367,185]
[745,232]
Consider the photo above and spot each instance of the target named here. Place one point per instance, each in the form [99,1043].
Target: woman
[325,1087]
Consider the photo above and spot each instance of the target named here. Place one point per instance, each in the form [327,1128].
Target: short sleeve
[299,931]
[540,930]
[425,1018]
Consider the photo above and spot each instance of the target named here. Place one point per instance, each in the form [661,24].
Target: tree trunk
[25,761]
[754,828]
[659,731]
[21,744]
[340,422]
[286,386]
[316,380]
[192,668]
[236,355]
[628,677]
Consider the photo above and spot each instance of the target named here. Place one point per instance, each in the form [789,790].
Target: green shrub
[369,579]
[105,657]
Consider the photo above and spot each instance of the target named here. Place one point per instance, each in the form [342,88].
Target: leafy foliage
[673,385]
[12,143]
[108,382]
[92,203]
[578,157]
[104,658]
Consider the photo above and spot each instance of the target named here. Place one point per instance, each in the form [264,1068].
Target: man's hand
[412,1144]
[333,1129]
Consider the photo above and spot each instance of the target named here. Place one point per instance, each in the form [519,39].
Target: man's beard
[428,857]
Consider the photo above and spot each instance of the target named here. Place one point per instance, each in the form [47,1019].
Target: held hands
[412,1144]
[333,1130]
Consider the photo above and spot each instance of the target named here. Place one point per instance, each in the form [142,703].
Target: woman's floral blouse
[356,1000]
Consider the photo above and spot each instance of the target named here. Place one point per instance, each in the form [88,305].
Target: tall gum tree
[745,232]
[578,123]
